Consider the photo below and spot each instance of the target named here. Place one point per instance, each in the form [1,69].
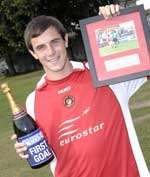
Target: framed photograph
[117,49]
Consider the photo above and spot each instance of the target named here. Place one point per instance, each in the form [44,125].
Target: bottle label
[37,148]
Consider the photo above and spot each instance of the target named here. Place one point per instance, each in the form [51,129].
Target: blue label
[37,148]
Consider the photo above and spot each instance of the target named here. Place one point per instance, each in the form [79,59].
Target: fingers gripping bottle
[28,133]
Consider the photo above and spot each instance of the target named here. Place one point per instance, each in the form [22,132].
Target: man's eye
[40,47]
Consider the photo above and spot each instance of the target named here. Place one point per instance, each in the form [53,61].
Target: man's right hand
[19,147]
[109,11]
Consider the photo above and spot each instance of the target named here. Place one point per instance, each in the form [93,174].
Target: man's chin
[56,69]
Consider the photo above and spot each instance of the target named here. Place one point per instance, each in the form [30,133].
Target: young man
[90,129]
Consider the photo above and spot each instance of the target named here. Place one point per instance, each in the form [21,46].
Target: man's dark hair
[40,24]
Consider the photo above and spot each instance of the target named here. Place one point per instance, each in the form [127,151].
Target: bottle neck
[14,107]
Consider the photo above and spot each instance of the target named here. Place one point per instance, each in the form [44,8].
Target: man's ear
[33,54]
[66,40]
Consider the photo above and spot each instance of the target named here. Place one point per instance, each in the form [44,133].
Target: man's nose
[50,49]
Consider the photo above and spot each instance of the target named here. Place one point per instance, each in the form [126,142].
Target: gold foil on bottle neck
[14,107]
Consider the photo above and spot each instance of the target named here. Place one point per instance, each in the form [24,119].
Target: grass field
[11,165]
[121,47]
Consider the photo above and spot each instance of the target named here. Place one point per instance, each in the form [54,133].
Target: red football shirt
[85,127]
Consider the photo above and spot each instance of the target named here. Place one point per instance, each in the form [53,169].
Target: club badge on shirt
[69,101]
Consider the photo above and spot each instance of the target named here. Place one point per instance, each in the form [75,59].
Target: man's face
[50,49]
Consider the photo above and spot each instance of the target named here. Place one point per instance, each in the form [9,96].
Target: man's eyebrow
[58,38]
[39,46]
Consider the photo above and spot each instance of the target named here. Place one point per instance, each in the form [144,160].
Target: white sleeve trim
[77,65]
[132,86]
[53,164]
[30,104]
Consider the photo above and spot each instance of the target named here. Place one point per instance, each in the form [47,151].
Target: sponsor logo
[69,131]
[80,135]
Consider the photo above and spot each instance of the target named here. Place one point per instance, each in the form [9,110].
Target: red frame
[141,51]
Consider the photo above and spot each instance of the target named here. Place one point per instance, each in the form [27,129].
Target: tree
[14,16]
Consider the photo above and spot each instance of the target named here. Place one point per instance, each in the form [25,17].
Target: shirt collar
[76,66]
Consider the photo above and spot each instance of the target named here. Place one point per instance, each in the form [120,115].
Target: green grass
[12,165]
[121,47]
[142,94]
[143,126]
[143,132]
[140,112]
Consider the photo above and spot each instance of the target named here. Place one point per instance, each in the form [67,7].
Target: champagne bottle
[28,133]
